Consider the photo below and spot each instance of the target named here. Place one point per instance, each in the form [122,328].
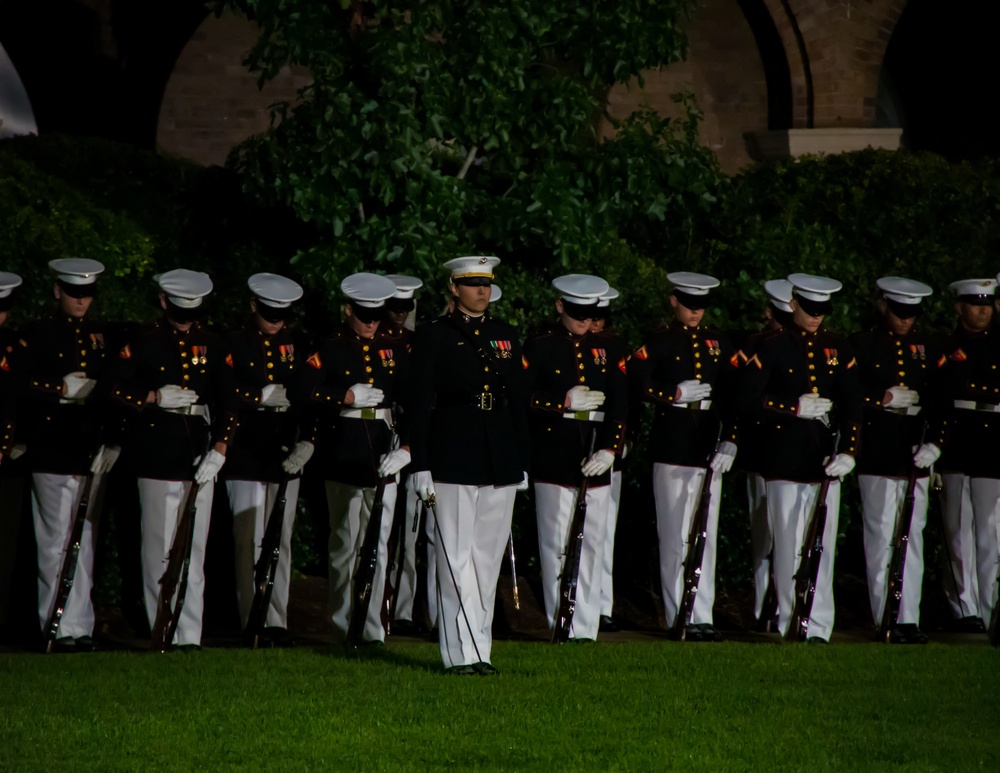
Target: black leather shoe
[816,640]
[608,625]
[462,671]
[85,644]
[64,644]
[486,669]
[907,633]
[188,649]
[404,628]
[971,625]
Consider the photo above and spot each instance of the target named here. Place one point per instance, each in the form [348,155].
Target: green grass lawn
[630,706]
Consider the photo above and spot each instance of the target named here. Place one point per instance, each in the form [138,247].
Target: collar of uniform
[970,334]
[165,324]
[469,318]
[676,324]
[805,333]
[71,320]
[352,336]
[569,335]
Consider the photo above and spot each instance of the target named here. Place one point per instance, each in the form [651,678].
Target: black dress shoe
[608,625]
[971,625]
[907,633]
[486,669]
[462,671]
[816,640]
[84,644]
[404,628]
[188,649]
[64,644]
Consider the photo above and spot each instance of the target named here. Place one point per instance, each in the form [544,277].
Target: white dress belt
[584,415]
[972,405]
[191,410]
[368,413]
[697,405]
[910,410]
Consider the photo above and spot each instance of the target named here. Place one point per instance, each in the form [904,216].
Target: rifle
[267,566]
[808,573]
[696,553]
[68,572]
[175,578]
[364,577]
[513,571]
[571,564]
[897,561]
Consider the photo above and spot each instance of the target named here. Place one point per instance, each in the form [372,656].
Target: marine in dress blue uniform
[469,441]
[276,440]
[895,361]
[577,406]
[173,385]
[688,372]
[802,385]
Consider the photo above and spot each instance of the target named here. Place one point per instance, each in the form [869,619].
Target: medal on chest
[600,356]
[287,352]
[96,341]
[831,357]
[917,352]
[199,355]
[502,349]
[386,356]
[713,347]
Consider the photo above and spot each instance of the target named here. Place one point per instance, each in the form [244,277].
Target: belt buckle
[368,413]
[581,415]
[486,401]
[695,405]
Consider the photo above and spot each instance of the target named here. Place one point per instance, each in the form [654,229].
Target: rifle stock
[694,558]
[897,562]
[364,577]
[267,566]
[68,572]
[808,573]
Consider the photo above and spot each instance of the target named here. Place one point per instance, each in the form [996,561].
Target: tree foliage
[434,129]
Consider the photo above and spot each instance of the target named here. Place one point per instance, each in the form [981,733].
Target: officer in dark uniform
[802,385]
[174,384]
[602,326]
[398,311]
[894,362]
[67,354]
[688,372]
[274,441]
[470,450]
[351,382]
[968,385]
[577,405]
[777,314]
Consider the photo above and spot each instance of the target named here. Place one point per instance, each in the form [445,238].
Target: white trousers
[473,524]
[406,559]
[554,506]
[54,501]
[251,502]
[972,521]
[161,502]
[676,491]
[882,503]
[761,543]
[350,507]
[608,563]
[789,510]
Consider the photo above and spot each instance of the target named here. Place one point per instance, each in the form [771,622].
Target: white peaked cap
[275,290]
[901,290]
[692,283]
[77,271]
[368,290]
[605,300]
[780,292]
[184,288]
[974,287]
[8,282]
[581,289]
[814,288]
[495,293]
[405,285]
[472,265]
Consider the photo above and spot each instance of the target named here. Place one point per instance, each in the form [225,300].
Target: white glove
[173,396]
[725,453]
[17,451]
[76,385]
[598,463]
[583,398]
[423,484]
[523,485]
[902,397]
[926,455]
[840,465]
[273,396]
[105,459]
[393,462]
[812,406]
[366,396]
[692,390]
[209,467]
[296,460]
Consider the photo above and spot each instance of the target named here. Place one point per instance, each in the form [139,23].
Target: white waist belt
[368,413]
[191,410]
[911,410]
[697,405]
[273,408]
[972,405]
[585,415]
